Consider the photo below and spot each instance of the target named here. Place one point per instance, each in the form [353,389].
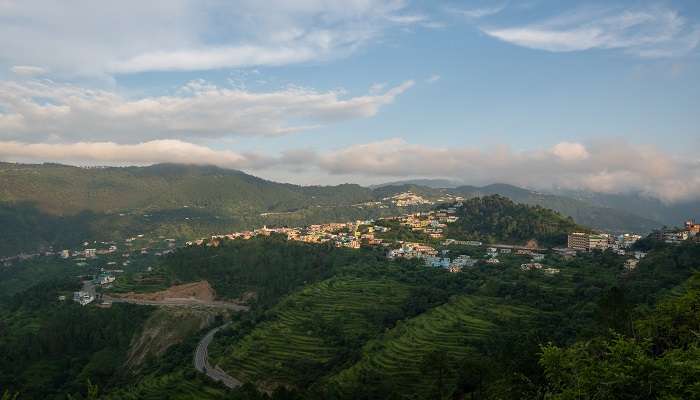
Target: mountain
[671,214]
[52,204]
[431,183]
[44,205]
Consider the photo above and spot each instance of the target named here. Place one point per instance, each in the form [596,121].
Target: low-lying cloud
[609,167]
[43,110]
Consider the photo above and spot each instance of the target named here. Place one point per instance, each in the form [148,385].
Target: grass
[312,330]
[454,329]
[140,282]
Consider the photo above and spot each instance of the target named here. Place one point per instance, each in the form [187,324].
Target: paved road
[201,362]
[177,302]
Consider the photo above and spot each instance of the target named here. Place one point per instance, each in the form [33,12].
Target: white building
[83,298]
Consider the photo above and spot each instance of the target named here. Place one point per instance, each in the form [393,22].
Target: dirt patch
[201,291]
[163,329]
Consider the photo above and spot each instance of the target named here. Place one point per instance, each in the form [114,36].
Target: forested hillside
[51,204]
[497,219]
[599,216]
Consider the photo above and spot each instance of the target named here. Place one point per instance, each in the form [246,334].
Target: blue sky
[592,95]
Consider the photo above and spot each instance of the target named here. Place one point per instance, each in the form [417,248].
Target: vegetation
[336,323]
[52,348]
[661,361]
[498,219]
[314,331]
[51,204]
[267,268]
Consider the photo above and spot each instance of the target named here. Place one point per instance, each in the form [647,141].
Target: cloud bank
[33,111]
[77,38]
[609,167]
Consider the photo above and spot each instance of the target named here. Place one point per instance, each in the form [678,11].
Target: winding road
[201,362]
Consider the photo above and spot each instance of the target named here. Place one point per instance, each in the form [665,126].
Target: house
[90,253]
[631,264]
[551,271]
[537,257]
[530,266]
[505,251]
[104,279]
[83,298]
[493,260]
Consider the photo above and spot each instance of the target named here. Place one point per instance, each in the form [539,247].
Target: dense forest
[51,348]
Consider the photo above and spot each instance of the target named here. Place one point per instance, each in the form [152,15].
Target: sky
[595,95]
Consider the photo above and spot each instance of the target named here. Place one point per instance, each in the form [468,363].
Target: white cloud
[647,32]
[433,78]
[476,13]
[568,151]
[33,111]
[613,167]
[28,70]
[77,38]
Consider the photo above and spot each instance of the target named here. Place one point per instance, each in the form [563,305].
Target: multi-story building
[587,241]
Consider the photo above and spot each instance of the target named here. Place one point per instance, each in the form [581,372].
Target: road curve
[201,362]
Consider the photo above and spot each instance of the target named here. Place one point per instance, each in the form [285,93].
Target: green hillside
[586,213]
[498,219]
[408,355]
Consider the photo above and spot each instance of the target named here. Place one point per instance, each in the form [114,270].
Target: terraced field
[451,329]
[312,327]
[175,386]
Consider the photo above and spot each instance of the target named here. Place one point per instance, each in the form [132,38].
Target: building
[587,241]
[90,253]
[104,279]
[65,253]
[537,257]
[631,264]
[83,298]
[530,266]
[627,240]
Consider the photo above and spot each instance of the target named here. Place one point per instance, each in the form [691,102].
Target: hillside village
[434,249]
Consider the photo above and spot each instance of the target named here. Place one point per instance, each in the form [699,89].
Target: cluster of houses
[341,234]
[407,199]
[691,231]
[533,266]
[453,265]
[431,223]
[587,241]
